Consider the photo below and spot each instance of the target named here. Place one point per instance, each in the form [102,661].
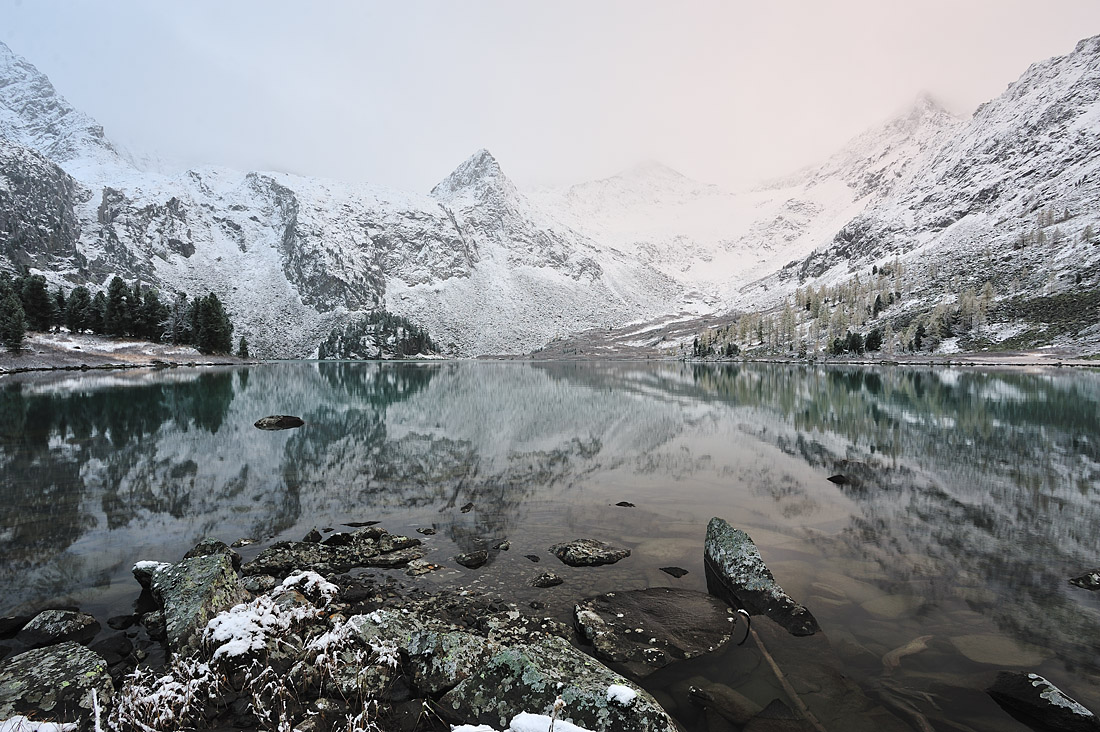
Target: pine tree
[13,325]
[59,309]
[212,332]
[78,317]
[96,320]
[117,315]
[38,306]
[242,348]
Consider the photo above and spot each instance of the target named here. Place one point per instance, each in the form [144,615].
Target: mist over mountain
[1006,197]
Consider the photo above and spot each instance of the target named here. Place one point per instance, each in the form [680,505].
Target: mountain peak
[479,177]
[34,115]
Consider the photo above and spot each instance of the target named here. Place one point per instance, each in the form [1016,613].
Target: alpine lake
[970,497]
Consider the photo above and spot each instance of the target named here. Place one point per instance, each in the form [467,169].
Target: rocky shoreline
[305,637]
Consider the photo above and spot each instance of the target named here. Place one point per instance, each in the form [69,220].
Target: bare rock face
[588,553]
[55,684]
[1041,704]
[644,630]
[737,574]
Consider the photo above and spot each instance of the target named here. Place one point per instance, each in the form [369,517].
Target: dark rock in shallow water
[12,624]
[839,479]
[533,557]
[737,574]
[731,705]
[625,504]
[1040,704]
[645,630]
[546,579]
[55,684]
[279,422]
[313,536]
[426,531]
[1089,580]
[473,560]
[121,622]
[676,572]
[209,546]
[588,553]
[114,649]
[54,626]
[369,547]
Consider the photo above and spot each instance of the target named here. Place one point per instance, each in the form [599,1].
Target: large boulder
[279,422]
[62,683]
[644,630]
[588,552]
[531,676]
[192,592]
[369,547]
[737,574]
[1041,704]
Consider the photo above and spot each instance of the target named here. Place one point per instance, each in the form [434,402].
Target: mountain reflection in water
[970,496]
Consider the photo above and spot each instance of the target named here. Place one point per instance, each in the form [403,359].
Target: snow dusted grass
[22,724]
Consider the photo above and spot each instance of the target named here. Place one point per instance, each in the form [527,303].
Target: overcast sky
[400,92]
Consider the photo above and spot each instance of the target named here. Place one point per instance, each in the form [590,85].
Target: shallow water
[976,496]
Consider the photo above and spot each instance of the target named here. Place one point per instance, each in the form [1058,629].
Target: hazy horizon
[400,94]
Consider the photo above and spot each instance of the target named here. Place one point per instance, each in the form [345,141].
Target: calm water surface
[975,495]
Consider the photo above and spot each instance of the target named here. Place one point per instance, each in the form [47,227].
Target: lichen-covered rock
[143,572]
[54,626]
[645,630]
[588,553]
[369,547]
[529,677]
[737,574]
[1042,704]
[439,654]
[55,684]
[193,591]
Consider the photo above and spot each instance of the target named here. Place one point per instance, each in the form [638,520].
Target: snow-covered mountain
[714,241]
[487,268]
[1009,196]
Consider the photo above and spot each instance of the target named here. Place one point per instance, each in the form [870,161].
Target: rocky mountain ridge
[487,268]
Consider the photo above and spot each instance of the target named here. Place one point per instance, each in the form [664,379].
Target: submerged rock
[279,422]
[193,591]
[644,630]
[531,676]
[546,579]
[588,553]
[55,684]
[473,560]
[1041,704]
[737,574]
[54,626]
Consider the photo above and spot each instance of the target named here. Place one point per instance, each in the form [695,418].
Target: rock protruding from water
[56,684]
[369,547]
[1089,580]
[1040,704]
[50,627]
[530,676]
[588,553]
[279,422]
[473,560]
[193,591]
[737,574]
[644,630]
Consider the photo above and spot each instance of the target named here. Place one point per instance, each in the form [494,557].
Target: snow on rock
[621,694]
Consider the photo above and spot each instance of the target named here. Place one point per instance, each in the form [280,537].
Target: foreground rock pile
[300,639]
